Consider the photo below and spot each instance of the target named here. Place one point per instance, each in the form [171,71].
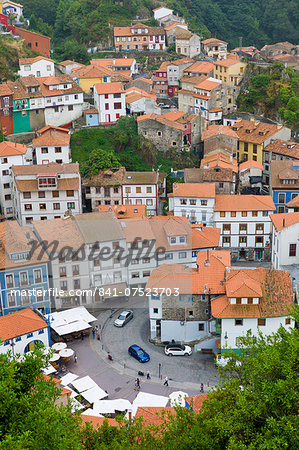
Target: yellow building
[215,48]
[86,77]
[254,136]
[230,71]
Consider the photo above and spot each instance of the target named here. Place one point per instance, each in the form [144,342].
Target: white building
[265,296]
[187,44]
[46,191]
[142,188]
[63,100]
[52,145]
[139,102]
[110,101]
[10,154]
[67,66]
[245,225]
[9,7]
[21,330]
[195,201]
[175,71]
[40,66]
[285,242]
[161,12]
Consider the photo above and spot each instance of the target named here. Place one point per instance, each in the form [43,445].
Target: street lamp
[12,344]
[160,370]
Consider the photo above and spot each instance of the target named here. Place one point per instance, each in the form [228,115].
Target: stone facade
[183,309]
[222,143]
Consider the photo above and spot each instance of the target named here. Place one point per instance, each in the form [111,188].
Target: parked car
[138,353]
[123,318]
[178,350]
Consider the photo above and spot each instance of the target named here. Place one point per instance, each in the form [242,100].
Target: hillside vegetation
[10,52]
[77,24]
[273,92]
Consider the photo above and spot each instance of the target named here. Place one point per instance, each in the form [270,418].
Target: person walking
[148,375]
[137,384]
[201,388]
[76,359]
[165,381]
[96,328]
[93,333]
[82,335]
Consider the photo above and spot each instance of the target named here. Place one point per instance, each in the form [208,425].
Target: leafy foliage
[99,160]
[273,92]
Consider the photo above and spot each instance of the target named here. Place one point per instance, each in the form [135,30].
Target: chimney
[283,223]
[207,262]
[130,415]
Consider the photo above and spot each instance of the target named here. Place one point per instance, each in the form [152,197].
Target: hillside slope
[10,52]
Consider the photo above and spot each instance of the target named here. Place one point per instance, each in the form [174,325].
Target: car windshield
[176,346]
[121,317]
[140,352]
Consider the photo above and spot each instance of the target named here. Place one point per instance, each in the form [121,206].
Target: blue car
[138,353]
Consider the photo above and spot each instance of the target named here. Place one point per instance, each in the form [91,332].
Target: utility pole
[240,42]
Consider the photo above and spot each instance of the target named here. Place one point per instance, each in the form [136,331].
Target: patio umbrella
[66,353]
[177,398]
[59,346]
[54,357]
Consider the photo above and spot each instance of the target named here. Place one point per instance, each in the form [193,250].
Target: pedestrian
[148,375]
[165,381]
[76,359]
[93,333]
[82,335]
[137,384]
[96,328]
[201,388]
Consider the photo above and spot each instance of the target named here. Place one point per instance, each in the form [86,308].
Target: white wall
[63,115]
[172,329]
[234,331]
[42,68]
[101,101]
[52,156]
[142,198]
[281,245]
[162,12]
[19,346]
[202,213]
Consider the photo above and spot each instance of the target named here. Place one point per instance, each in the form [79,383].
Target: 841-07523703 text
[138,292]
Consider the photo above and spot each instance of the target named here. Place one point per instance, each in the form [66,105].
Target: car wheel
[186,354]
[170,354]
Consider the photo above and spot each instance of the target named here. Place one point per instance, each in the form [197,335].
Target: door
[107,118]
[158,328]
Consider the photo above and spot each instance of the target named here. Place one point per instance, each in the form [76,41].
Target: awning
[70,320]
[83,384]
[94,394]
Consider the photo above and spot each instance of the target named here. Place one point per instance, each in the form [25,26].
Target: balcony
[259,244]
[24,283]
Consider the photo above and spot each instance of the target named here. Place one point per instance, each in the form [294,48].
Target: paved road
[196,368]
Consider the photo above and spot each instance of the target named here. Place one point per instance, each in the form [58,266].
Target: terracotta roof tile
[207,85]
[8,148]
[46,168]
[19,323]
[208,175]
[5,89]
[294,203]
[98,421]
[91,71]
[68,62]
[52,136]
[109,88]
[215,130]
[200,67]
[141,177]
[220,160]
[195,402]
[23,61]
[277,296]
[283,170]
[159,225]
[154,415]
[285,220]
[204,237]
[125,211]
[244,203]
[258,131]
[213,41]
[178,62]
[250,163]
[286,148]
[202,190]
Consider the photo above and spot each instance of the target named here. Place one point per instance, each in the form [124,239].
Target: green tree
[98,160]
[29,417]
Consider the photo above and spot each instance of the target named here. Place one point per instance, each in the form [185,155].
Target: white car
[178,350]
[123,318]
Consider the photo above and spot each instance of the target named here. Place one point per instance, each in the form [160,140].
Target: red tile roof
[207,85]
[91,71]
[19,323]
[155,415]
[294,203]
[23,61]
[8,148]
[244,203]
[97,421]
[52,136]
[125,211]
[251,163]
[205,237]
[196,401]
[257,132]
[277,296]
[216,130]
[285,220]
[109,88]
[213,41]
[200,67]
[202,190]
[286,148]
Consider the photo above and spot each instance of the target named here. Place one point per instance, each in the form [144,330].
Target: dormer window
[47,182]
[261,133]
[173,240]
[247,131]
[182,239]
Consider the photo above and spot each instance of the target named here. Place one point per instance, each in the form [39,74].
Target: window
[174,143]
[183,201]
[56,109]
[70,193]
[26,194]
[63,285]
[62,271]
[23,278]
[37,276]
[76,284]
[117,105]
[106,106]
[107,191]
[288,321]
[168,256]
[182,239]
[243,227]
[203,202]
[193,202]
[58,150]
[259,240]
[28,207]
[222,213]
[138,190]
[115,190]
[9,281]
[149,202]
[148,190]
[42,206]
[76,96]
[7,197]
[294,196]
[159,133]
[226,228]
[261,322]
[226,240]
[41,195]
[243,240]
[254,213]
[5,172]
[146,260]
[265,213]
[254,148]
[292,250]
[117,95]
[281,198]
[135,275]
[155,310]
[173,240]
[70,107]
[44,149]
[239,322]
[246,146]
[201,327]
[182,255]
[56,206]
[233,214]
[128,190]
[71,205]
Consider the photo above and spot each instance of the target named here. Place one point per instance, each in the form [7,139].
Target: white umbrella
[66,353]
[68,378]
[103,407]
[48,370]
[120,404]
[59,346]
[177,398]
[54,357]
